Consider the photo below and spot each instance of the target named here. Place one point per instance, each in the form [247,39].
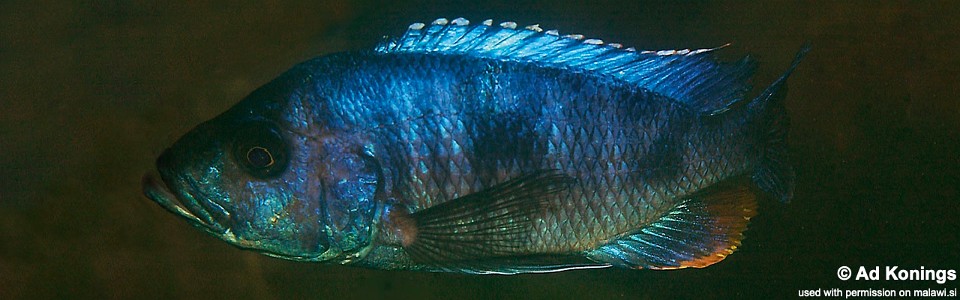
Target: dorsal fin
[692,77]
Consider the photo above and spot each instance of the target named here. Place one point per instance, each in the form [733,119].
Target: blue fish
[488,149]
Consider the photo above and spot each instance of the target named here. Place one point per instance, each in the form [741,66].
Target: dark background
[92,91]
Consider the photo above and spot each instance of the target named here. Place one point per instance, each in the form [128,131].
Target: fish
[489,149]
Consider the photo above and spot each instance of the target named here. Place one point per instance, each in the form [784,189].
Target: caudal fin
[775,174]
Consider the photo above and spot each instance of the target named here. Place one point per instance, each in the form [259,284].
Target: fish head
[262,177]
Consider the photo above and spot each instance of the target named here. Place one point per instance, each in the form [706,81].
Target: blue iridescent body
[487,149]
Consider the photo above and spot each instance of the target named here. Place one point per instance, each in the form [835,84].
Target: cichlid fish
[488,149]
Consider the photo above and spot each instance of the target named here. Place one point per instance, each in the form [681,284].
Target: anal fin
[700,231]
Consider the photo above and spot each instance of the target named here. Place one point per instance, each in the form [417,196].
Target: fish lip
[159,191]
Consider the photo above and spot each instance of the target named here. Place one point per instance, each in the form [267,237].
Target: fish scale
[488,149]
[603,178]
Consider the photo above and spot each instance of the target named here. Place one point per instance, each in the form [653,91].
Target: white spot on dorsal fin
[615,45]
[440,21]
[698,51]
[508,25]
[488,22]
[593,41]
[417,26]
[534,27]
[683,51]
[552,32]
[461,22]
[574,36]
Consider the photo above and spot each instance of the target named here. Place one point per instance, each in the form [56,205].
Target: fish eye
[260,150]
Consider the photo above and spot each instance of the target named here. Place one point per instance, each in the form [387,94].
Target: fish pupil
[259,157]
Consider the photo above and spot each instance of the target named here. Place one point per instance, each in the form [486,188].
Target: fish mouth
[158,191]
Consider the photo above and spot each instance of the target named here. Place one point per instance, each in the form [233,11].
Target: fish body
[488,149]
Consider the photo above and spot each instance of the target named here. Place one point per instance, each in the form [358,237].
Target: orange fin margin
[730,211]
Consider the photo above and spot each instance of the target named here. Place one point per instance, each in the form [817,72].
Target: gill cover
[268,209]
[351,180]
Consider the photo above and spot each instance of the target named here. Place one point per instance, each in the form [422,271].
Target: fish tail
[774,174]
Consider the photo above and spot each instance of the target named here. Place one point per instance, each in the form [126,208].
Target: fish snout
[169,188]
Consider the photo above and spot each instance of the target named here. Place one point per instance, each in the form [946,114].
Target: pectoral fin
[495,222]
